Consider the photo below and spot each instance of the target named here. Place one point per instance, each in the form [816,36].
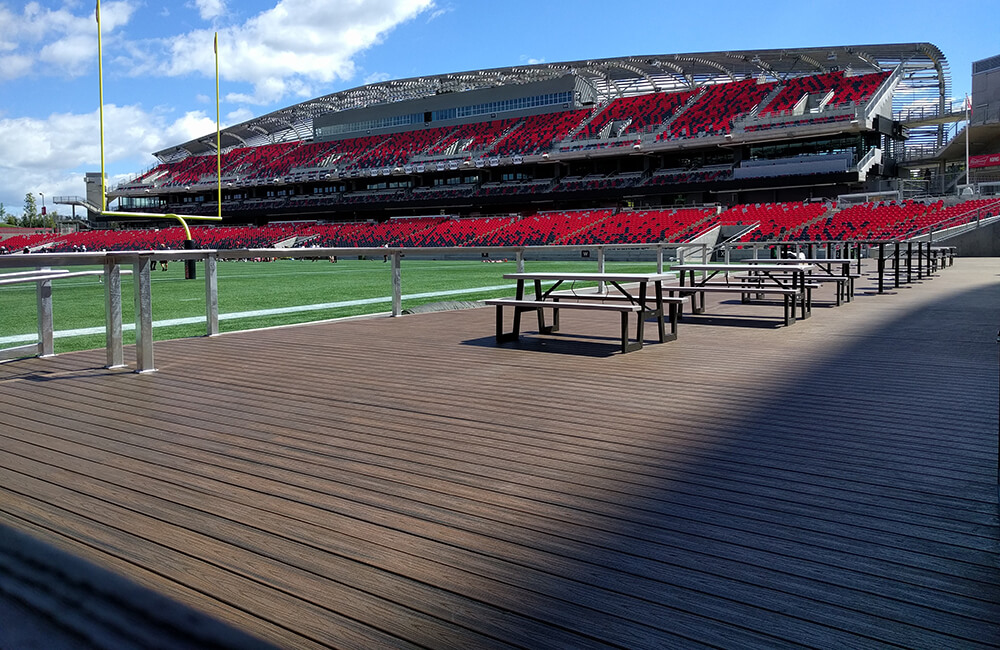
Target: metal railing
[139,261]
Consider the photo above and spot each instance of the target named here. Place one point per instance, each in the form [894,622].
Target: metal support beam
[46,328]
[600,267]
[397,285]
[113,315]
[211,296]
[143,295]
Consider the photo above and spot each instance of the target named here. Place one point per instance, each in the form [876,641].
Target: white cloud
[51,155]
[55,41]
[289,48]
[209,9]
[377,77]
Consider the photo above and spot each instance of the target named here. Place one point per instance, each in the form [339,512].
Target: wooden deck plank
[828,483]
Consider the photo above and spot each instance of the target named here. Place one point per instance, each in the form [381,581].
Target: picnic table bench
[630,296]
[786,280]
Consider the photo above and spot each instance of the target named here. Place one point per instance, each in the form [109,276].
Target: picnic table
[629,293]
[825,269]
[785,279]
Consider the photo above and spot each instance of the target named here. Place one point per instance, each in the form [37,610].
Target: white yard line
[193,320]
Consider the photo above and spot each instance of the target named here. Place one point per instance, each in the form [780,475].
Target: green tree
[30,217]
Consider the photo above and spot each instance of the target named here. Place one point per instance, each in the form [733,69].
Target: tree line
[30,216]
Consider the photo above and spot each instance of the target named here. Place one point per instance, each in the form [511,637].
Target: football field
[263,294]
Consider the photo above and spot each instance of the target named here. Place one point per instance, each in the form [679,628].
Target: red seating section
[644,111]
[537,133]
[794,221]
[778,221]
[714,111]
[711,114]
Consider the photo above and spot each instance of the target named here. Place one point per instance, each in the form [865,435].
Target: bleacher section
[673,116]
[714,112]
[778,222]
[625,115]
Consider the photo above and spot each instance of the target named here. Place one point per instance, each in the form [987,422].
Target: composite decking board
[800,470]
[738,572]
[929,470]
[631,634]
[893,531]
[570,408]
[677,502]
[716,491]
[304,571]
[259,568]
[179,575]
[528,506]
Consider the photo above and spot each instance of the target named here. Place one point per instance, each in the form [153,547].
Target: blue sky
[159,66]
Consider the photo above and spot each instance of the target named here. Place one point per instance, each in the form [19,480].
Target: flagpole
[100,111]
[218,125]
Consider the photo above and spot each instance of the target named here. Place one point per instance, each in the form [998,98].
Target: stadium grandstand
[629,149]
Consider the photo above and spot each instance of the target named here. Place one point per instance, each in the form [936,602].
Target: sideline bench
[521,306]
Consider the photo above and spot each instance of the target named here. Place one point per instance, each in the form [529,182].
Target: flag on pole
[215,46]
[97,12]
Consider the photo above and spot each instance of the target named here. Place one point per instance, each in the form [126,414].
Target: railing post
[113,315]
[397,285]
[143,296]
[909,262]
[211,295]
[600,267]
[519,256]
[726,251]
[895,265]
[46,329]
[659,258]
[881,267]
[704,253]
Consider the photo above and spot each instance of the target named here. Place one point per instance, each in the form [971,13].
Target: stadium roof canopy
[926,82]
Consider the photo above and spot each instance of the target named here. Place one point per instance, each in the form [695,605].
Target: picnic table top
[591,276]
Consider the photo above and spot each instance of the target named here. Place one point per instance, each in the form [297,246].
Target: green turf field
[248,288]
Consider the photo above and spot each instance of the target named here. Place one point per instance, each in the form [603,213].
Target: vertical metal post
[680,255]
[520,260]
[46,329]
[881,267]
[143,296]
[909,262]
[726,251]
[659,258]
[895,264]
[600,267]
[211,295]
[113,315]
[704,253]
[858,252]
[397,285]
[920,260]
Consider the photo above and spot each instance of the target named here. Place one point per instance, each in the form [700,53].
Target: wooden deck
[408,483]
